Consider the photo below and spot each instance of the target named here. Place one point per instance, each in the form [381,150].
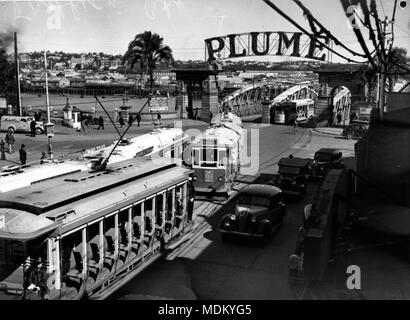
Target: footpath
[68,143]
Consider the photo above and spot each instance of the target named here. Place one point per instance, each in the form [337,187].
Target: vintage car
[292,176]
[325,159]
[356,129]
[20,124]
[259,210]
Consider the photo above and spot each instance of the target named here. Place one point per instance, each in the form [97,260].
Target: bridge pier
[210,106]
[266,106]
[181,101]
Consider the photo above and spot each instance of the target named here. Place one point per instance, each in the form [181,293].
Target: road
[206,268]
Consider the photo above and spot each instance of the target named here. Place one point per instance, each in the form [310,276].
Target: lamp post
[49,126]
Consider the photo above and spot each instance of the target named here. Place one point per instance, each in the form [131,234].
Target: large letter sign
[265,44]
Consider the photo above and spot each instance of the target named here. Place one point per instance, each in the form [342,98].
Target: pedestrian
[138,116]
[339,117]
[295,126]
[121,121]
[10,140]
[23,154]
[159,118]
[2,150]
[100,123]
[130,120]
[33,128]
[43,158]
[84,125]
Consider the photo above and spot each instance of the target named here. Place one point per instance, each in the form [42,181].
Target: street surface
[239,269]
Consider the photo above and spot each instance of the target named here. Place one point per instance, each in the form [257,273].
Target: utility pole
[383,70]
[16,57]
[49,125]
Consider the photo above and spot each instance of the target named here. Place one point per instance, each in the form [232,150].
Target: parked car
[325,159]
[258,212]
[356,129]
[20,124]
[292,176]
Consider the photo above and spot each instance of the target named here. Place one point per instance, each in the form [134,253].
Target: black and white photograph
[186,153]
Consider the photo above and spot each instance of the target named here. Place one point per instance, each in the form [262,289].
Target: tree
[396,57]
[146,50]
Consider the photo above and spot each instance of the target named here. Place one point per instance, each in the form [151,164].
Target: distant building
[64,82]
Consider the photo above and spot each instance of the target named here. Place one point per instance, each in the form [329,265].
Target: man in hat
[36,280]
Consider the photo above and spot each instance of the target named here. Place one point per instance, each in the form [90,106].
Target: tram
[89,232]
[215,155]
[300,110]
[169,142]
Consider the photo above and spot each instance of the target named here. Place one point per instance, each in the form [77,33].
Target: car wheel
[349,136]
[39,131]
[11,129]
[225,237]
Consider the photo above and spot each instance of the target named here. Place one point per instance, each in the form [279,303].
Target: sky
[109,25]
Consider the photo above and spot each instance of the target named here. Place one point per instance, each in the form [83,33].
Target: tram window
[136,210]
[169,204]
[123,226]
[159,208]
[222,158]
[72,252]
[109,233]
[149,204]
[196,156]
[93,234]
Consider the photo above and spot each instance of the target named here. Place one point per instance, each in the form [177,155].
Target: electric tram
[215,155]
[91,231]
[169,142]
[287,112]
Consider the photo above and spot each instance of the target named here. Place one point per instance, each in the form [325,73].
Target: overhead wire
[313,20]
[346,4]
[314,38]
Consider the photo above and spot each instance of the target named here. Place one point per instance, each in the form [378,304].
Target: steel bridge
[247,101]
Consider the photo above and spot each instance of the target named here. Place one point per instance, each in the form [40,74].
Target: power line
[359,36]
[313,20]
[314,38]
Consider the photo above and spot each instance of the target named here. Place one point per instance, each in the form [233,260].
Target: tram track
[273,161]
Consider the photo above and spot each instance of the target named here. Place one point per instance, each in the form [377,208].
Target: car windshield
[247,199]
[289,170]
[324,157]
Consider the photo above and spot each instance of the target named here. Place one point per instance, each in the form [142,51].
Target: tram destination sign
[269,43]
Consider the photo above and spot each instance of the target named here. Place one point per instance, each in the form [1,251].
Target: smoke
[7,39]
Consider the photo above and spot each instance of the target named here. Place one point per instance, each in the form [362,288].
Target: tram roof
[77,197]
[223,134]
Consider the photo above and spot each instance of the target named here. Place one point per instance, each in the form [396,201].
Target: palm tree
[147,49]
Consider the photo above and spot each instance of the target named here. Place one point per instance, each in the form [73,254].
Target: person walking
[84,125]
[295,126]
[23,154]
[159,118]
[100,123]
[130,120]
[138,116]
[33,128]
[10,140]
[2,150]
[121,121]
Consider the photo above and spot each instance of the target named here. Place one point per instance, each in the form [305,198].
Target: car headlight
[232,217]
[195,178]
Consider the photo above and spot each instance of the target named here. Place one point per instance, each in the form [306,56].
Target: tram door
[169,214]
